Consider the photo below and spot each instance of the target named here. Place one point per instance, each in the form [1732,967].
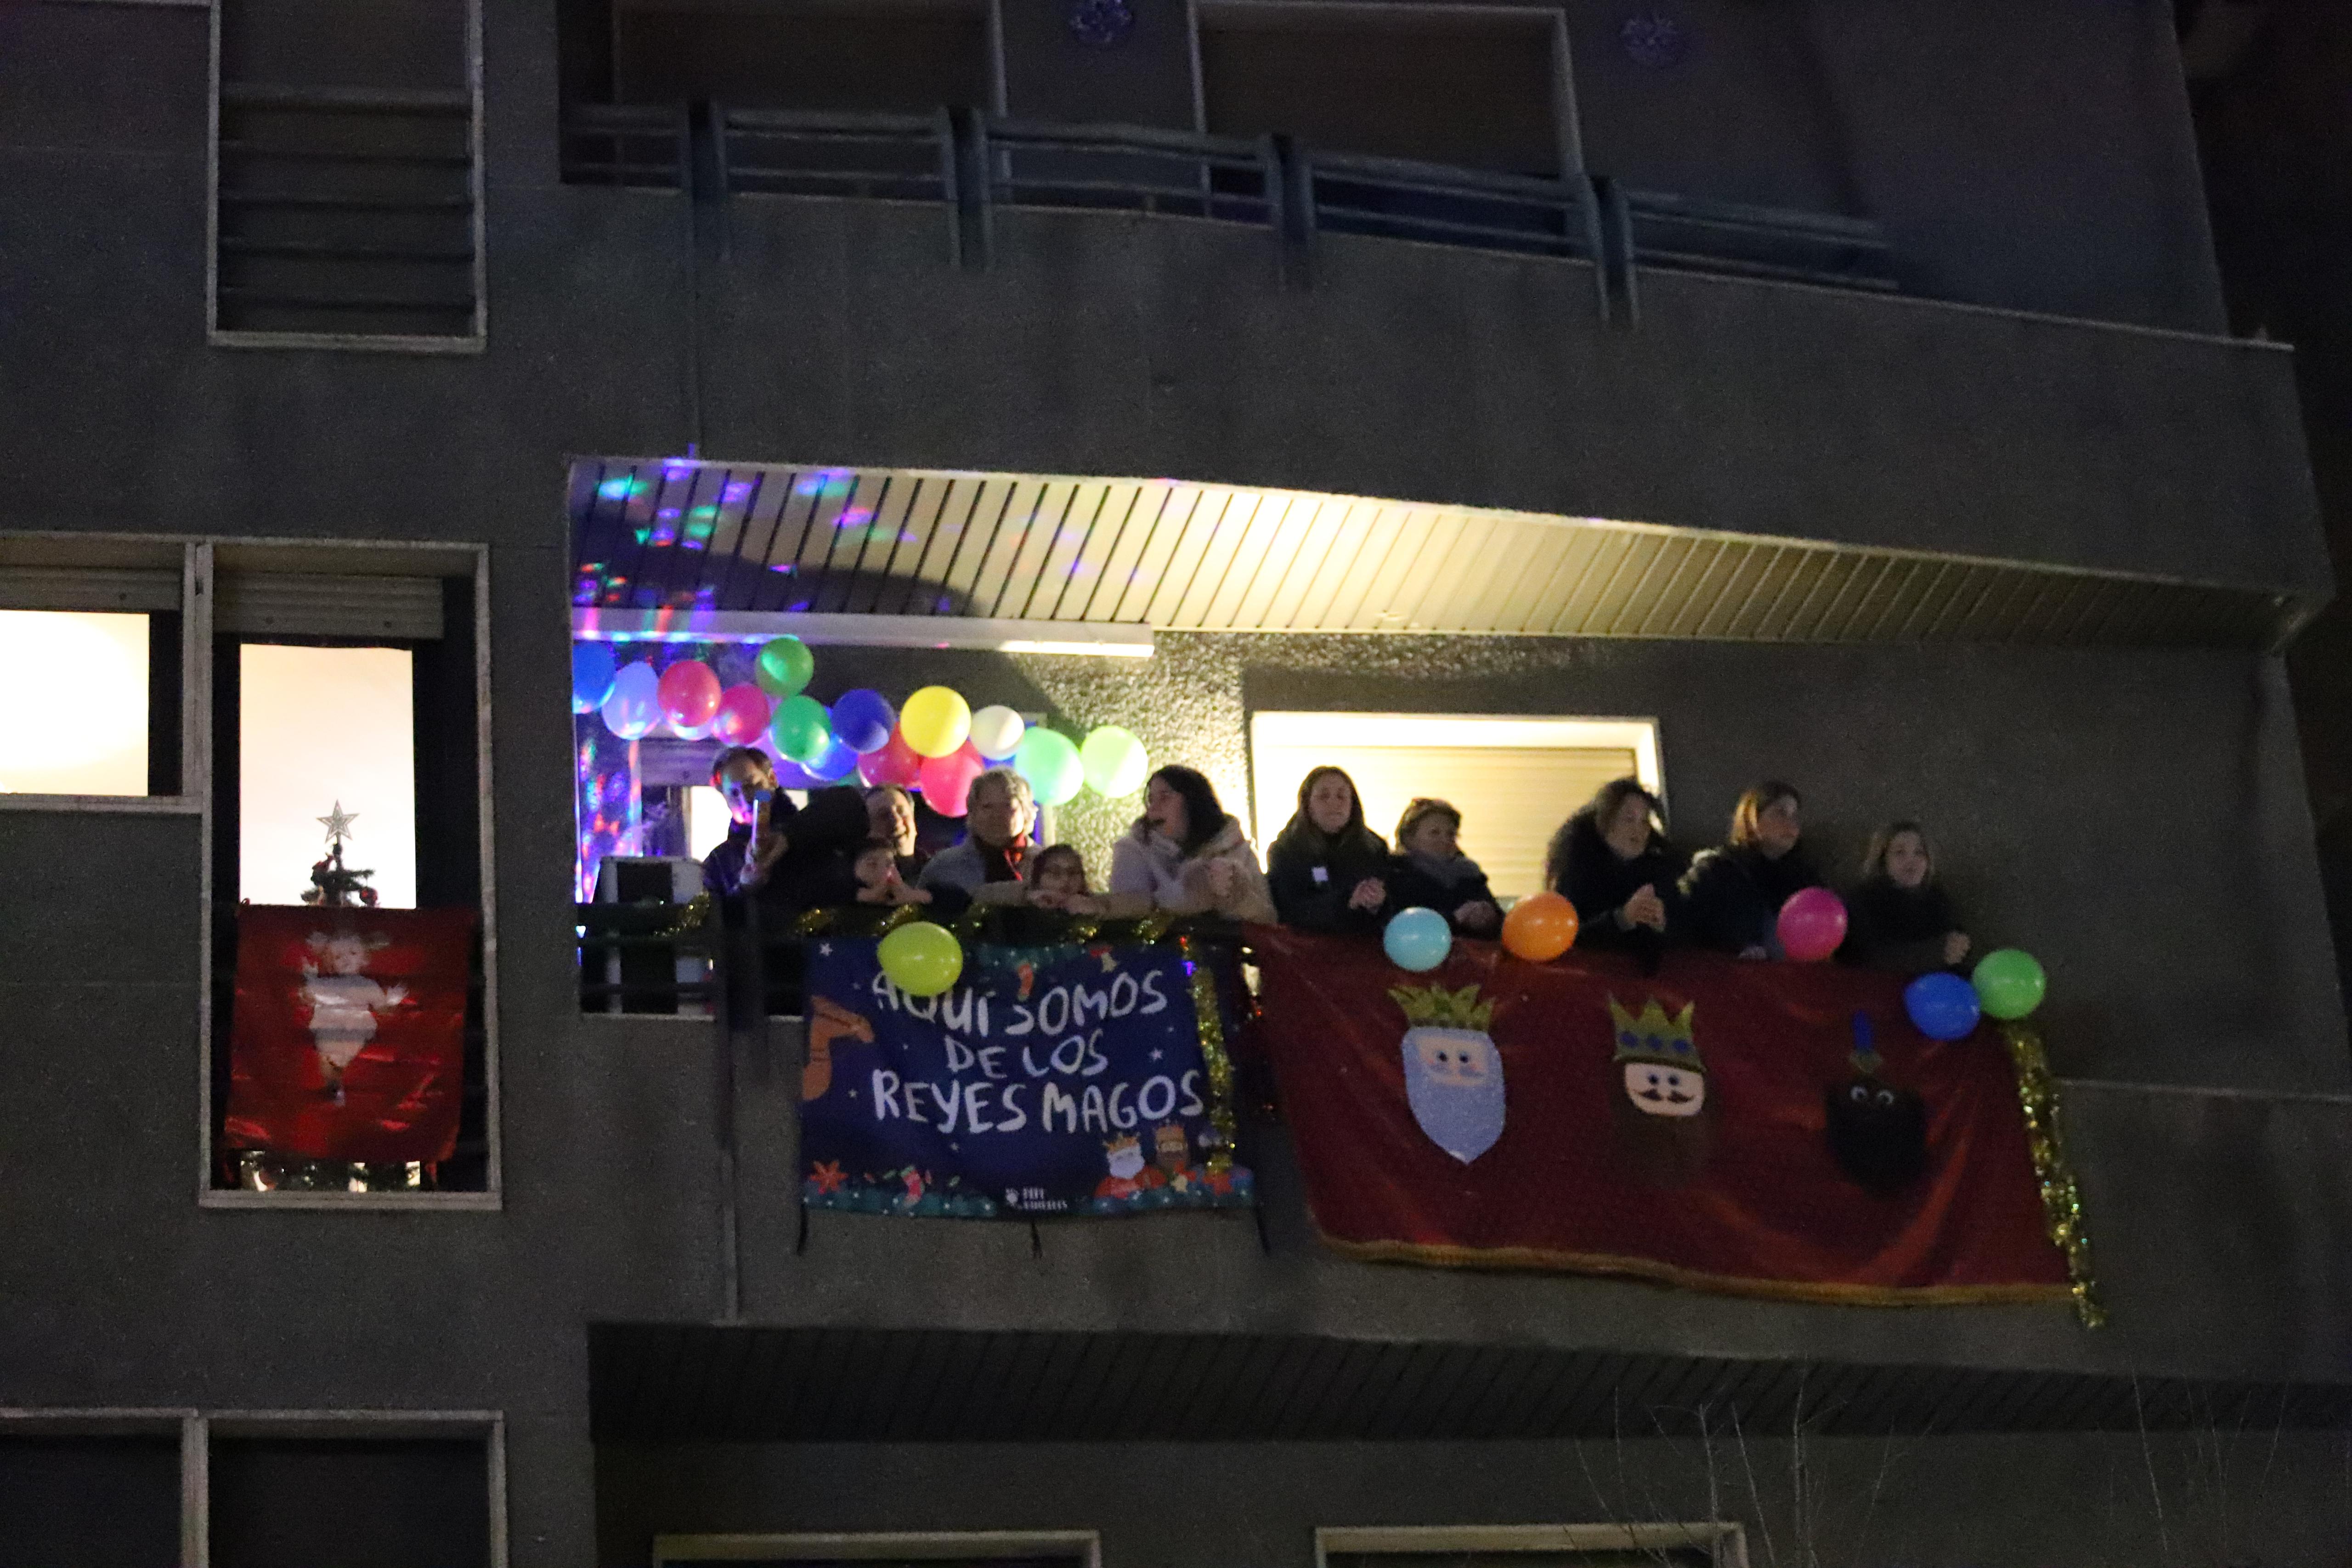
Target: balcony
[1244,1325]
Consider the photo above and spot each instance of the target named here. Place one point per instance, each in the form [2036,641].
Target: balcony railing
[970,163]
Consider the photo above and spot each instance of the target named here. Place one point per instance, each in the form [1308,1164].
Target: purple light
[784,567]
[800,604]
[736,490]
[668,514]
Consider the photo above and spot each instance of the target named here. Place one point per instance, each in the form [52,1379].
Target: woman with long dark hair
[1900,919]
[1325,869]
[1611,859]
[1186,855]
[1735,891]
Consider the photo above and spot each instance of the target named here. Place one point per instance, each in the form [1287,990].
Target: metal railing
[972,163]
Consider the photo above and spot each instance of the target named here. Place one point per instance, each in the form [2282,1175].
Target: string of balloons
[934,742]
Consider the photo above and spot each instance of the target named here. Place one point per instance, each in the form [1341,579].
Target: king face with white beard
[1454,1081]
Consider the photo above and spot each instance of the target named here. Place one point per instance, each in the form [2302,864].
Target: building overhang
[685,549]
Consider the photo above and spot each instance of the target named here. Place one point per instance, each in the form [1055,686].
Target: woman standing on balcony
[1612,862]
[1431,870]
[1185,855]
[1734,891]
[1326,868]
[1900,918]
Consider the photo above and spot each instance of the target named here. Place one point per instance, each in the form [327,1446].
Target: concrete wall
[836,333]
[2090,1501]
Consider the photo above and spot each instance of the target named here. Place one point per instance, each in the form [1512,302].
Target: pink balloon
[742,714]
[896,763]
[689,693]
[947,780]
[1811,925]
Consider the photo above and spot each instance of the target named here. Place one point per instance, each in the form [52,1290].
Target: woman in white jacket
[1185,855]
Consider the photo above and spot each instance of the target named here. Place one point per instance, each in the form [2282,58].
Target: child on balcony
[1057,880]
[1735,891]
[1431,870]
[1900,919]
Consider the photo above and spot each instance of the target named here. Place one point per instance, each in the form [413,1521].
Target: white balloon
[996,731]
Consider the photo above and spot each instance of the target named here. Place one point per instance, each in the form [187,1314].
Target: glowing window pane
[319,726]
[705,821]
[73,713]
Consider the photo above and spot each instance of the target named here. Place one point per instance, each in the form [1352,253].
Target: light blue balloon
[591,675]
[1417,939]
[633,705]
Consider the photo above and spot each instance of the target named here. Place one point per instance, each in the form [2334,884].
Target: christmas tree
[332,882]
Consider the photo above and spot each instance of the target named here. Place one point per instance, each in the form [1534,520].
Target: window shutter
[403,609]
[88,588]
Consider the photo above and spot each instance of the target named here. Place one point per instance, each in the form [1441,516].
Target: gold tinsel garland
[2062,1199]
[1211,1021]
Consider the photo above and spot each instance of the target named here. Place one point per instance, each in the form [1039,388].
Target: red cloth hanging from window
[349,1036]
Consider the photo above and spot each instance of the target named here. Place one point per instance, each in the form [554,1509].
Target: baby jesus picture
[344,1000]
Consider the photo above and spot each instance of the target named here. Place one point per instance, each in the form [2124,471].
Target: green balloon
[921,959]
[1051,764]
[2010,983]
[1115,761]
[785,666]
[802,727]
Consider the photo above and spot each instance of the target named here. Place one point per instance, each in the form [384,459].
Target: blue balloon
[838,759]
[592,669]
[1417,939]
[862,720]
[1943,1006]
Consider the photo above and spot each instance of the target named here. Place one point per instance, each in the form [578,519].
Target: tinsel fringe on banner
[2062,1199]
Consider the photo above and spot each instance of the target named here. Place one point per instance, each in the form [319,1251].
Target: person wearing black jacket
[1734,893]
[1430,871]
[1611,861]
[1327,871]
[789,859]
[1900,920]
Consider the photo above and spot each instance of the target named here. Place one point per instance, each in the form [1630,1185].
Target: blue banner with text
[1059,1080]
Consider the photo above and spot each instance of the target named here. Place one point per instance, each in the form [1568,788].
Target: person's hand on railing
[1369,894]
[1477,915]
[1645,908]
[894,890]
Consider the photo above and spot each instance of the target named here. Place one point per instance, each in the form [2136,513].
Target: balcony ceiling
[1175,556]
[742,1384]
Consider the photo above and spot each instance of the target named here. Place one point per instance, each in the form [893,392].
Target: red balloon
[742,714]
[896,763]
[947,780]
[689,693]
[1811,925]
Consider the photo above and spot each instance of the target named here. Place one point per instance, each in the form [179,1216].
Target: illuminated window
[73,711]
[1515,781]
[321,729]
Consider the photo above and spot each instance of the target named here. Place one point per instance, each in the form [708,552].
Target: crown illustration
[1436,1007]
[1652,1036]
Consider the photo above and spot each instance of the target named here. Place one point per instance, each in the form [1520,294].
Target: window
[1515,781]
[335,728]
[89,1493]
[92,715]
[974,1549]
[349,688]
[362,1491]
[73,719]
[1709,1545]
[1480,86]
[347,175]
[911,57]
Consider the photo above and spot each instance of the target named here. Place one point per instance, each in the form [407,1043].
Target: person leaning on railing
[1431,870]
[890,811]
[1900,919]
[1611,861]
[992,862]
[1735,891]
[788,858]
[1327,870]
[1185,856]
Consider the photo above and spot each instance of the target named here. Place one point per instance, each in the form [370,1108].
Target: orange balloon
[1540,928]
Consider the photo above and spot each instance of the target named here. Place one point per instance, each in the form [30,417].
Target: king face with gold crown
[1663,1072]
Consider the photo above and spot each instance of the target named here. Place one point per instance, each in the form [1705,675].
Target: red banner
[348,1037]
[1711,1125]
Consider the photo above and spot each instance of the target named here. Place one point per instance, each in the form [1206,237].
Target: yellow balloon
[935,721]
